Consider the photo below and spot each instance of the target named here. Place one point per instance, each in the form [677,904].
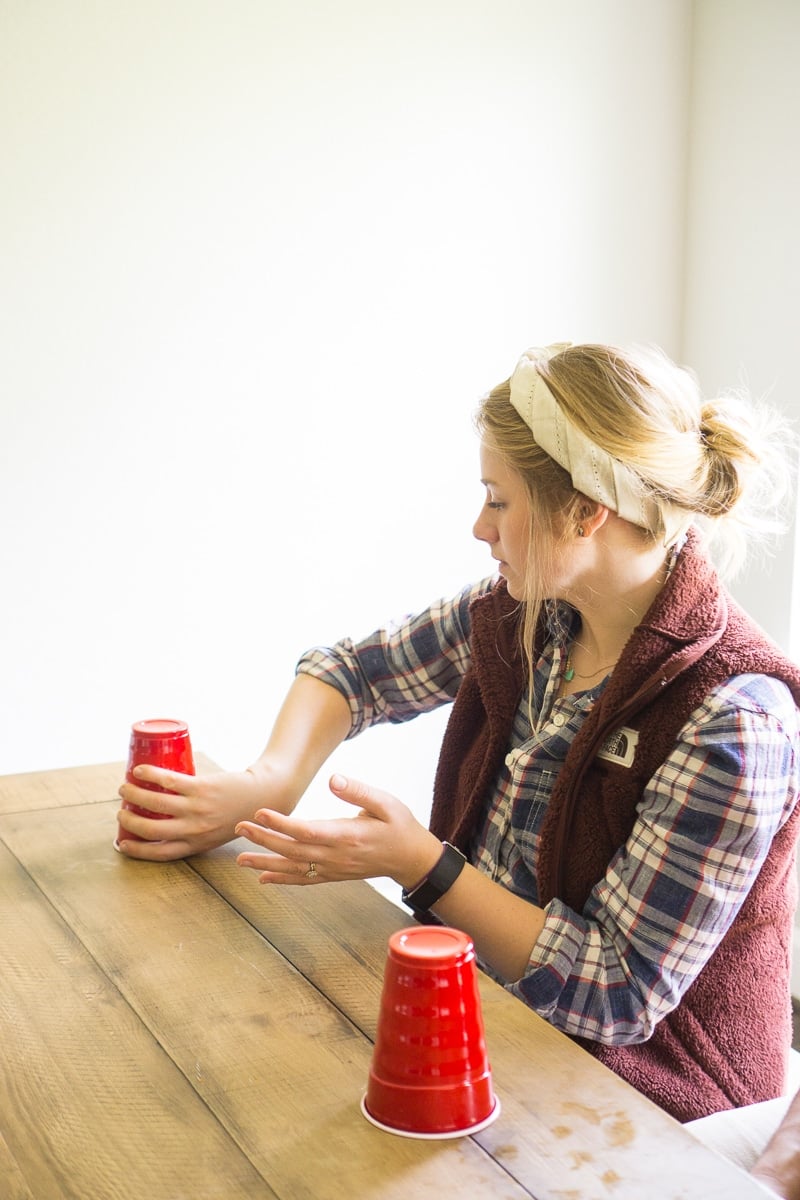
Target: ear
[592,515]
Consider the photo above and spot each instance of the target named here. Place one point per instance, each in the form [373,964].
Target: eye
[495,504]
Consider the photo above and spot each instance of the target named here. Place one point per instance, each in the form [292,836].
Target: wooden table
[178,1031]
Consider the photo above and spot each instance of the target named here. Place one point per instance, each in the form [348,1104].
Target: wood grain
[88,1097]
[11,1177]
[60,789]
[94,784]
[569,1126]
[280,1068]
[181,1020]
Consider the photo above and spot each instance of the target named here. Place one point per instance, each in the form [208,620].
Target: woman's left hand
[382,839]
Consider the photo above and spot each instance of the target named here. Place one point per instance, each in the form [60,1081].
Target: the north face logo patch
[620,746]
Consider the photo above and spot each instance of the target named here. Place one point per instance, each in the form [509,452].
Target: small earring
[580,531]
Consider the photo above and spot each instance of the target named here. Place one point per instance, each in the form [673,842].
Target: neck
[611,603]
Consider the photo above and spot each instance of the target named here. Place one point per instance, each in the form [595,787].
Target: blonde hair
[727,460]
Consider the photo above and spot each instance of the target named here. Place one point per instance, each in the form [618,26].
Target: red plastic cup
[430,1075]
[162,743]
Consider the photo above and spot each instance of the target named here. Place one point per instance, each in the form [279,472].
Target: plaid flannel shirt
[705,821]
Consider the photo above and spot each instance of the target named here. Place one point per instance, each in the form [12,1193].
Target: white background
[259,262]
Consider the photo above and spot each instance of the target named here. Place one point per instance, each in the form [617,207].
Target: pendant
[569,674]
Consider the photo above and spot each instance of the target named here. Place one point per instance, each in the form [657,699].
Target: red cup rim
[160,727]
[435,944]
[432,1137]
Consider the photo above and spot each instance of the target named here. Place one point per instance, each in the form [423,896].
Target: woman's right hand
[203,809]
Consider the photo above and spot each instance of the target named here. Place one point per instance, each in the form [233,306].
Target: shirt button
[558,720]
[511,759]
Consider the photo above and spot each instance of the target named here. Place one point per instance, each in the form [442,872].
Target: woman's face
[504,520]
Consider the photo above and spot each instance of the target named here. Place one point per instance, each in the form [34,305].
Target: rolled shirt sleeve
[404,669]
[706,822]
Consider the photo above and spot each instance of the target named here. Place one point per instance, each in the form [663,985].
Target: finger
[269,825]
[273,862]
[150,832]
[171,781]
[275,869]
[166,851]
[287,860]
[263,835]
[372,800]
[293,880]
[140,800]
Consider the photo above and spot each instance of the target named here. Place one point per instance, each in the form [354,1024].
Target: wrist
[273,785]
[421,852]
[437,882]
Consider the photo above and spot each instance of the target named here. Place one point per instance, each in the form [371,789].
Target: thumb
[353,791]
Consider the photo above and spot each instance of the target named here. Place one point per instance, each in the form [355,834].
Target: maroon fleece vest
[726,1043]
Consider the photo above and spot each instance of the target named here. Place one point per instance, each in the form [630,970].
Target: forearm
[313,720]
[503,926]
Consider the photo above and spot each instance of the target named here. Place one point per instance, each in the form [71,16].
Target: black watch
[436,882]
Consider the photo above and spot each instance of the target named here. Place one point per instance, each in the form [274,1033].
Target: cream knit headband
[593,471]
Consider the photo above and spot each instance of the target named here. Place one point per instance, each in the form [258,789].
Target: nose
[484,528]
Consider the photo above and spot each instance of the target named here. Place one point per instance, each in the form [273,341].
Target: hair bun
[727,434]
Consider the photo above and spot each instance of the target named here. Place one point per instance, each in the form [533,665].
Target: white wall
[259,260]
[743,252]
[743,261]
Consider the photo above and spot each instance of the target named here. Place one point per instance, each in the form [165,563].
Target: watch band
[437,881]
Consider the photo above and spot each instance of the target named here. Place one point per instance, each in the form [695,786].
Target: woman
[615,809]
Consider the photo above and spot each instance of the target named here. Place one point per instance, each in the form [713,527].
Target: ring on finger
[311,873]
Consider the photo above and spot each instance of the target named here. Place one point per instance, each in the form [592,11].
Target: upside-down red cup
[430,1075]
[162,743]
